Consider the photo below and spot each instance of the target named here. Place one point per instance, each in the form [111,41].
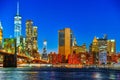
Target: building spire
[1,25]
[18,8]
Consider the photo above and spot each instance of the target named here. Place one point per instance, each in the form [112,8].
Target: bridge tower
[44,54]
[10,60]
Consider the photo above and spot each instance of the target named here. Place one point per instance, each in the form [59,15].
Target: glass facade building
[65,41]
[17,26]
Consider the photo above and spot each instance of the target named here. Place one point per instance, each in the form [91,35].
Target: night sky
[86,18]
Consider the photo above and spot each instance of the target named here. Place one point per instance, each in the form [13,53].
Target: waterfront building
[35,42]
[111,46]
[35,36]
[84,58]
[17,26]
[99,44]
[1,35]
[103,57]
[55,58]
[21,47]
[29,41]
[22,41]
[65,38]
[52,57]
[101,47]
[74,59]
[79,49]
[102,44]
[94,45]
[95,51]
[44,54]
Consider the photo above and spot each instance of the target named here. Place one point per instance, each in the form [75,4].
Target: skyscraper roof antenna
[18,7]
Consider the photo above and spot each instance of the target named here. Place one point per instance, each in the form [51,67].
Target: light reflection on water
[97,75]
[36,74]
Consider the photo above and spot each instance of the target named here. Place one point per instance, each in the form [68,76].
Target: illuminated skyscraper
[1,35]
[101,47]
[17,26]
[111,46]
[21,47]
[74,42]
[65,42]
[99,44]
[29,41]
[94,46]
[35,42]
[35,34]
[44,54]
[94,49]
[102,43]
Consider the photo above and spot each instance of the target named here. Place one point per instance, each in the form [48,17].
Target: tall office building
[111,46]
[99,44]
[102,43]
[17,26]
[44,54]
[95,51]
[65,42]
[74,42]
[21,48]
[1,35]
[100,47]
[29,40]
[94,46]
[35,34]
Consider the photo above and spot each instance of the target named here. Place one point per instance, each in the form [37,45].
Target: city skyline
[82,29]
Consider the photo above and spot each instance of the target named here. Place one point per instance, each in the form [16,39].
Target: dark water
[58,74]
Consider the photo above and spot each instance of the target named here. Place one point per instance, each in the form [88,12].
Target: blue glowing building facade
[17,26]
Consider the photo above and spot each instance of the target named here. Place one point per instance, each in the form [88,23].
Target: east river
[34,73]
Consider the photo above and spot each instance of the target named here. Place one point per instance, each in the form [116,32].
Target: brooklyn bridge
[11,59]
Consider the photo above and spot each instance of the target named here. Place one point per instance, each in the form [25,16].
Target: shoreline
[60,69]
[65,66]
[75,66]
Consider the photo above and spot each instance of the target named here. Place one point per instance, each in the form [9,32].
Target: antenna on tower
[18,8]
